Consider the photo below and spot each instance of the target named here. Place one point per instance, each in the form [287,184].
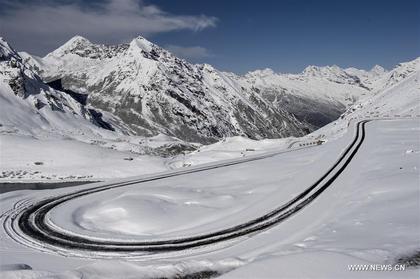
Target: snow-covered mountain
[316,97]
[33,107]
[156,92]
[148,91]
[153,92]
[392,100]
[397,93]
[367,78]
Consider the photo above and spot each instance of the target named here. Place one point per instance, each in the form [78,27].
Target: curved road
[30,223]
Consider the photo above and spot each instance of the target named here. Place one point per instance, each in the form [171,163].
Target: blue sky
[238,36]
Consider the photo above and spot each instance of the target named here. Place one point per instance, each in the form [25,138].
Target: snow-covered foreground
[30,159]
[27,159]
[368,216]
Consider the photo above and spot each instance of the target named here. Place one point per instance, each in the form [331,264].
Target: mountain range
[142,89]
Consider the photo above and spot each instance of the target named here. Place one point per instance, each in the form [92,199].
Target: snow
[142,43]
[32,160]
[103,269]
[373,216]
[369,216]
[311,265]
[179,206]
[229,148]
[6,51]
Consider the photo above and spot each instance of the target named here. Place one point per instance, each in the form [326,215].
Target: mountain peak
[4,45]
[377,70]
[78,38]
[260,73]
[6,51]
[316,70]
[333,73]
[2,40]
[142,43]
[76,42]
[311,70]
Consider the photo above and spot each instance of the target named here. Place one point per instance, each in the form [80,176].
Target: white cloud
[39,25]
[191,52]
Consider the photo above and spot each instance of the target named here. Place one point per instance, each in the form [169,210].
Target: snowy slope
[153,91]
[51,160]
